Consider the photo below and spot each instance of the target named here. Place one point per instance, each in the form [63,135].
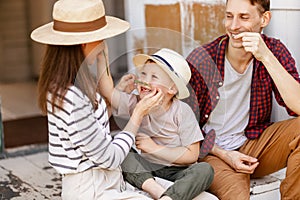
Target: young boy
[169,136]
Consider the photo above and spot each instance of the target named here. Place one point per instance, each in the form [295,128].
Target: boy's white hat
[173,64]
[78,22]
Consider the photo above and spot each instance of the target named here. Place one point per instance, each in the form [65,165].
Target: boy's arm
[175,155]
[126,84]
[111,93]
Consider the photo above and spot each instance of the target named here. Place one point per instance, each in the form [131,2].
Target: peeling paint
[12,187]
[181,25]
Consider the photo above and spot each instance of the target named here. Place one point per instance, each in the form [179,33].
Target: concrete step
[26,174]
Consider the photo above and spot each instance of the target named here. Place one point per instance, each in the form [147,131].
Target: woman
[80,145]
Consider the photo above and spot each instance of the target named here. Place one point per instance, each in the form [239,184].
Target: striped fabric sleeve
[89,131]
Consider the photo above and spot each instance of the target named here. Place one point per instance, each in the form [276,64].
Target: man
[233,78]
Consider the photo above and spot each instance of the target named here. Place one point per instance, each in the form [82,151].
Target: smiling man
[234,78]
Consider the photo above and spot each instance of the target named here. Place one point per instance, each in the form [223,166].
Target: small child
[169,138]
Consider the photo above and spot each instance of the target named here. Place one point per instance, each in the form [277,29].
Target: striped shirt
[79,136]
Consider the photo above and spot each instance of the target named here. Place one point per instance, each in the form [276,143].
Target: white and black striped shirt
[79,137]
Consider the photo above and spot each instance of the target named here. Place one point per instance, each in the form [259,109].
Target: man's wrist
[219,152]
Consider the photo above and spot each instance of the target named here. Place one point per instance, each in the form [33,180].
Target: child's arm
[111,93]
[175,155]
[126,84]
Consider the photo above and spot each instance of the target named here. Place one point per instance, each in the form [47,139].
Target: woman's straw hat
[78,22]
[173,64]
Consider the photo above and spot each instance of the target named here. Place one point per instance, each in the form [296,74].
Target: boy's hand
[126,84]
[145,143]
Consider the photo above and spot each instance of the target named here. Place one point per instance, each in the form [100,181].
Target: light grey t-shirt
[231,115]
[172,128]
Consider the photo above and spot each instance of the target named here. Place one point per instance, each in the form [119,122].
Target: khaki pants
[276,148]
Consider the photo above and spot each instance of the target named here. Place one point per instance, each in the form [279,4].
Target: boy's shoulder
[182,108]
[181,104]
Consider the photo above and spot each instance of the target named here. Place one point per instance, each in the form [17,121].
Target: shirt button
[206,116]
[217,97]
[220,83]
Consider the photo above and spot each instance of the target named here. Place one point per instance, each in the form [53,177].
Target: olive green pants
[278,147]
[188,181]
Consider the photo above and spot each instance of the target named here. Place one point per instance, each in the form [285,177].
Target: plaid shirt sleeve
[285,58]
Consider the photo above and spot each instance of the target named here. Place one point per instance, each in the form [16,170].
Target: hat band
[79,26]
[166,62]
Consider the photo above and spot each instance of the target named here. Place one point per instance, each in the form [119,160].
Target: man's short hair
[263,5]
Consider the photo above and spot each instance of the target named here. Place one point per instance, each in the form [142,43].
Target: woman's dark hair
[62,67]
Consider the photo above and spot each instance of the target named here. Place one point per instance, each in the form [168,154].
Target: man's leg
[227,183]
[278,147]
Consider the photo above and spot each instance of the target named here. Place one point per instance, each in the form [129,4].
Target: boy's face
[152,74]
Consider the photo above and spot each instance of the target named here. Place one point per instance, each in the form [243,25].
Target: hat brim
[140,59]
[46,35]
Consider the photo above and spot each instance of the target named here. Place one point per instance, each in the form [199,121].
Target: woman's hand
[142,108]
[126,84]
[150,101]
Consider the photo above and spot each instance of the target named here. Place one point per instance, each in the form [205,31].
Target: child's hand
[126,84]
[145,143]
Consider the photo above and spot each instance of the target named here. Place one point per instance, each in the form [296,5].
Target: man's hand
[254,44]
[241,162]
[237,160]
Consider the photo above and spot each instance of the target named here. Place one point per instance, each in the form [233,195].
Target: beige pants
[277,147]
[97,184]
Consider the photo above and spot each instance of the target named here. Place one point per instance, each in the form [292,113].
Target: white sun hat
[78,22]
[173,64]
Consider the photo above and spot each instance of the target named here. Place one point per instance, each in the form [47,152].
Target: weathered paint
[176,24]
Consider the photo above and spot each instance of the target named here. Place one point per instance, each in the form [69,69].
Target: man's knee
[295,126]
[297,122]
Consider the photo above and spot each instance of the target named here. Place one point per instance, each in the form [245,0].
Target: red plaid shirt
[207,66]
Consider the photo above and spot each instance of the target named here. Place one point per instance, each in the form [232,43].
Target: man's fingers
[248,168]
[245,34]
[249,159]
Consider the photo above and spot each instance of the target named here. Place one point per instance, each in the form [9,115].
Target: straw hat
[173,64]
[78,22]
